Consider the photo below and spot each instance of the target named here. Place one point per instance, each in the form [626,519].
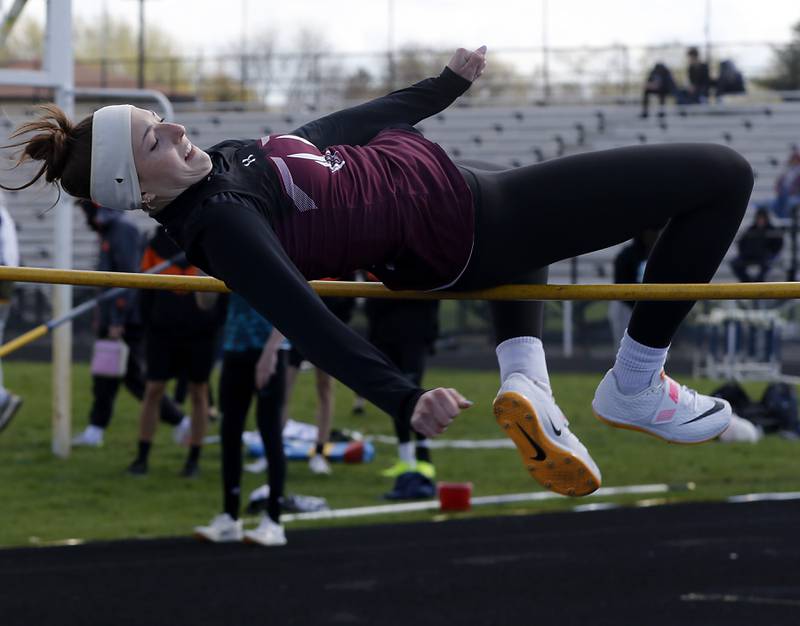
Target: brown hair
[65,148]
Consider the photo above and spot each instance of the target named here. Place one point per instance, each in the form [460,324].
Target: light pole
[390,45]
[545,59]
[708,33]
[141,60]
[140,81]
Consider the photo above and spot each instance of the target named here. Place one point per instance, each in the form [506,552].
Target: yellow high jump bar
[713,291]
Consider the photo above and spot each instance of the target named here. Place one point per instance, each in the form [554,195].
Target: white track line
[427,505]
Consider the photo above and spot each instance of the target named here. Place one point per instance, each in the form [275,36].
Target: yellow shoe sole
[555,468]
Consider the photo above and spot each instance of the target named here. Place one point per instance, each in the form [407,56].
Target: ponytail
[64,148]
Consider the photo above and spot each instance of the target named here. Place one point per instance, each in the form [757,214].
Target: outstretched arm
[241,249]
[359,124]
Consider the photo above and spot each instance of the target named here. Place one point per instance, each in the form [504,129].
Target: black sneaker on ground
[190,470]
[9,409]
[137,468]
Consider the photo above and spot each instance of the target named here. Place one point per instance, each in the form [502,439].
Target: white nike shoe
[665,409]
[91,437]
[319,465]
[268,533]
[222,529]
[553,455]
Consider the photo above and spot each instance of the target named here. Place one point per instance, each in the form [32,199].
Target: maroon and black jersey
[358,189]
[396,206]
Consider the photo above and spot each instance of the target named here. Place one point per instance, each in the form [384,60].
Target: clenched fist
[468,64]
[435,409]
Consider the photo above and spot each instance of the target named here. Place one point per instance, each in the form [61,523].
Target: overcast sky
[363,25]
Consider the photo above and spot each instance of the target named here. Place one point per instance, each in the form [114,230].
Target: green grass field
[45,500]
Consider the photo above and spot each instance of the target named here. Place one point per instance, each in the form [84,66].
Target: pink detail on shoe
[664,416]
[674,390]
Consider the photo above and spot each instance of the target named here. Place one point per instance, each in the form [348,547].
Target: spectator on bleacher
[699,78]
[787,186]
[120,250]
[9,255]
[254,361]
[362,188]
[759,246]
[659,83]
[405,331]
[181,329]
[342,308]
[629,266]
[730,80]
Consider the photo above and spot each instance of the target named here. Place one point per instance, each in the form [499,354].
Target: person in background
[759,246]
[659,83]
[699,78]
[181,330]
[342,308]
[254,361]
[405,331]
[9,255]
[730,80]
[120,250]
[787,186]
[629,267]
[181,391]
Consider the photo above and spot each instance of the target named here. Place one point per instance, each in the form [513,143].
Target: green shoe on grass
[400,467]
[426,469]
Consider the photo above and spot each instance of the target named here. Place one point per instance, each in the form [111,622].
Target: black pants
[409,357]
[741,267]
[507,316]
[662,98]
[104,389]
[236,388]
[530,217]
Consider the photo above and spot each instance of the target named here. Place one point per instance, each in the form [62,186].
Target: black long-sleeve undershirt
[235,243]
[357,125]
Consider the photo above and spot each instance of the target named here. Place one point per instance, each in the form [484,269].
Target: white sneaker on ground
[319,464]
[222,529]
[91,437]
[258,466]
[553,455]
[182,432]
[268,533]
[665,409]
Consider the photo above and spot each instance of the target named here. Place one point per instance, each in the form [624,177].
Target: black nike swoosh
[540,454]
[557,431]
[718,406]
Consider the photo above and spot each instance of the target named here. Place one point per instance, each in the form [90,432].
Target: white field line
[428,505]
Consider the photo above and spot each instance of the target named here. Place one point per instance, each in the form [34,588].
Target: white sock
[636,365]
[524,355]
[406,452]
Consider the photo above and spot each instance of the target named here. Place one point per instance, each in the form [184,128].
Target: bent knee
[731,169]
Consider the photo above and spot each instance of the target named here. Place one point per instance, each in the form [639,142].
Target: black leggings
[507,316]
[236,387]
[530,217]
[409,357]
[104,389]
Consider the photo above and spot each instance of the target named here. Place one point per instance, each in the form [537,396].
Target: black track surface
[703,564]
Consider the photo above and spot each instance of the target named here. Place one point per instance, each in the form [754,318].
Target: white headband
[114,182]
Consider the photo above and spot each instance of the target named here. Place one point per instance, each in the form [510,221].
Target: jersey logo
[332,161]
[249,160]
